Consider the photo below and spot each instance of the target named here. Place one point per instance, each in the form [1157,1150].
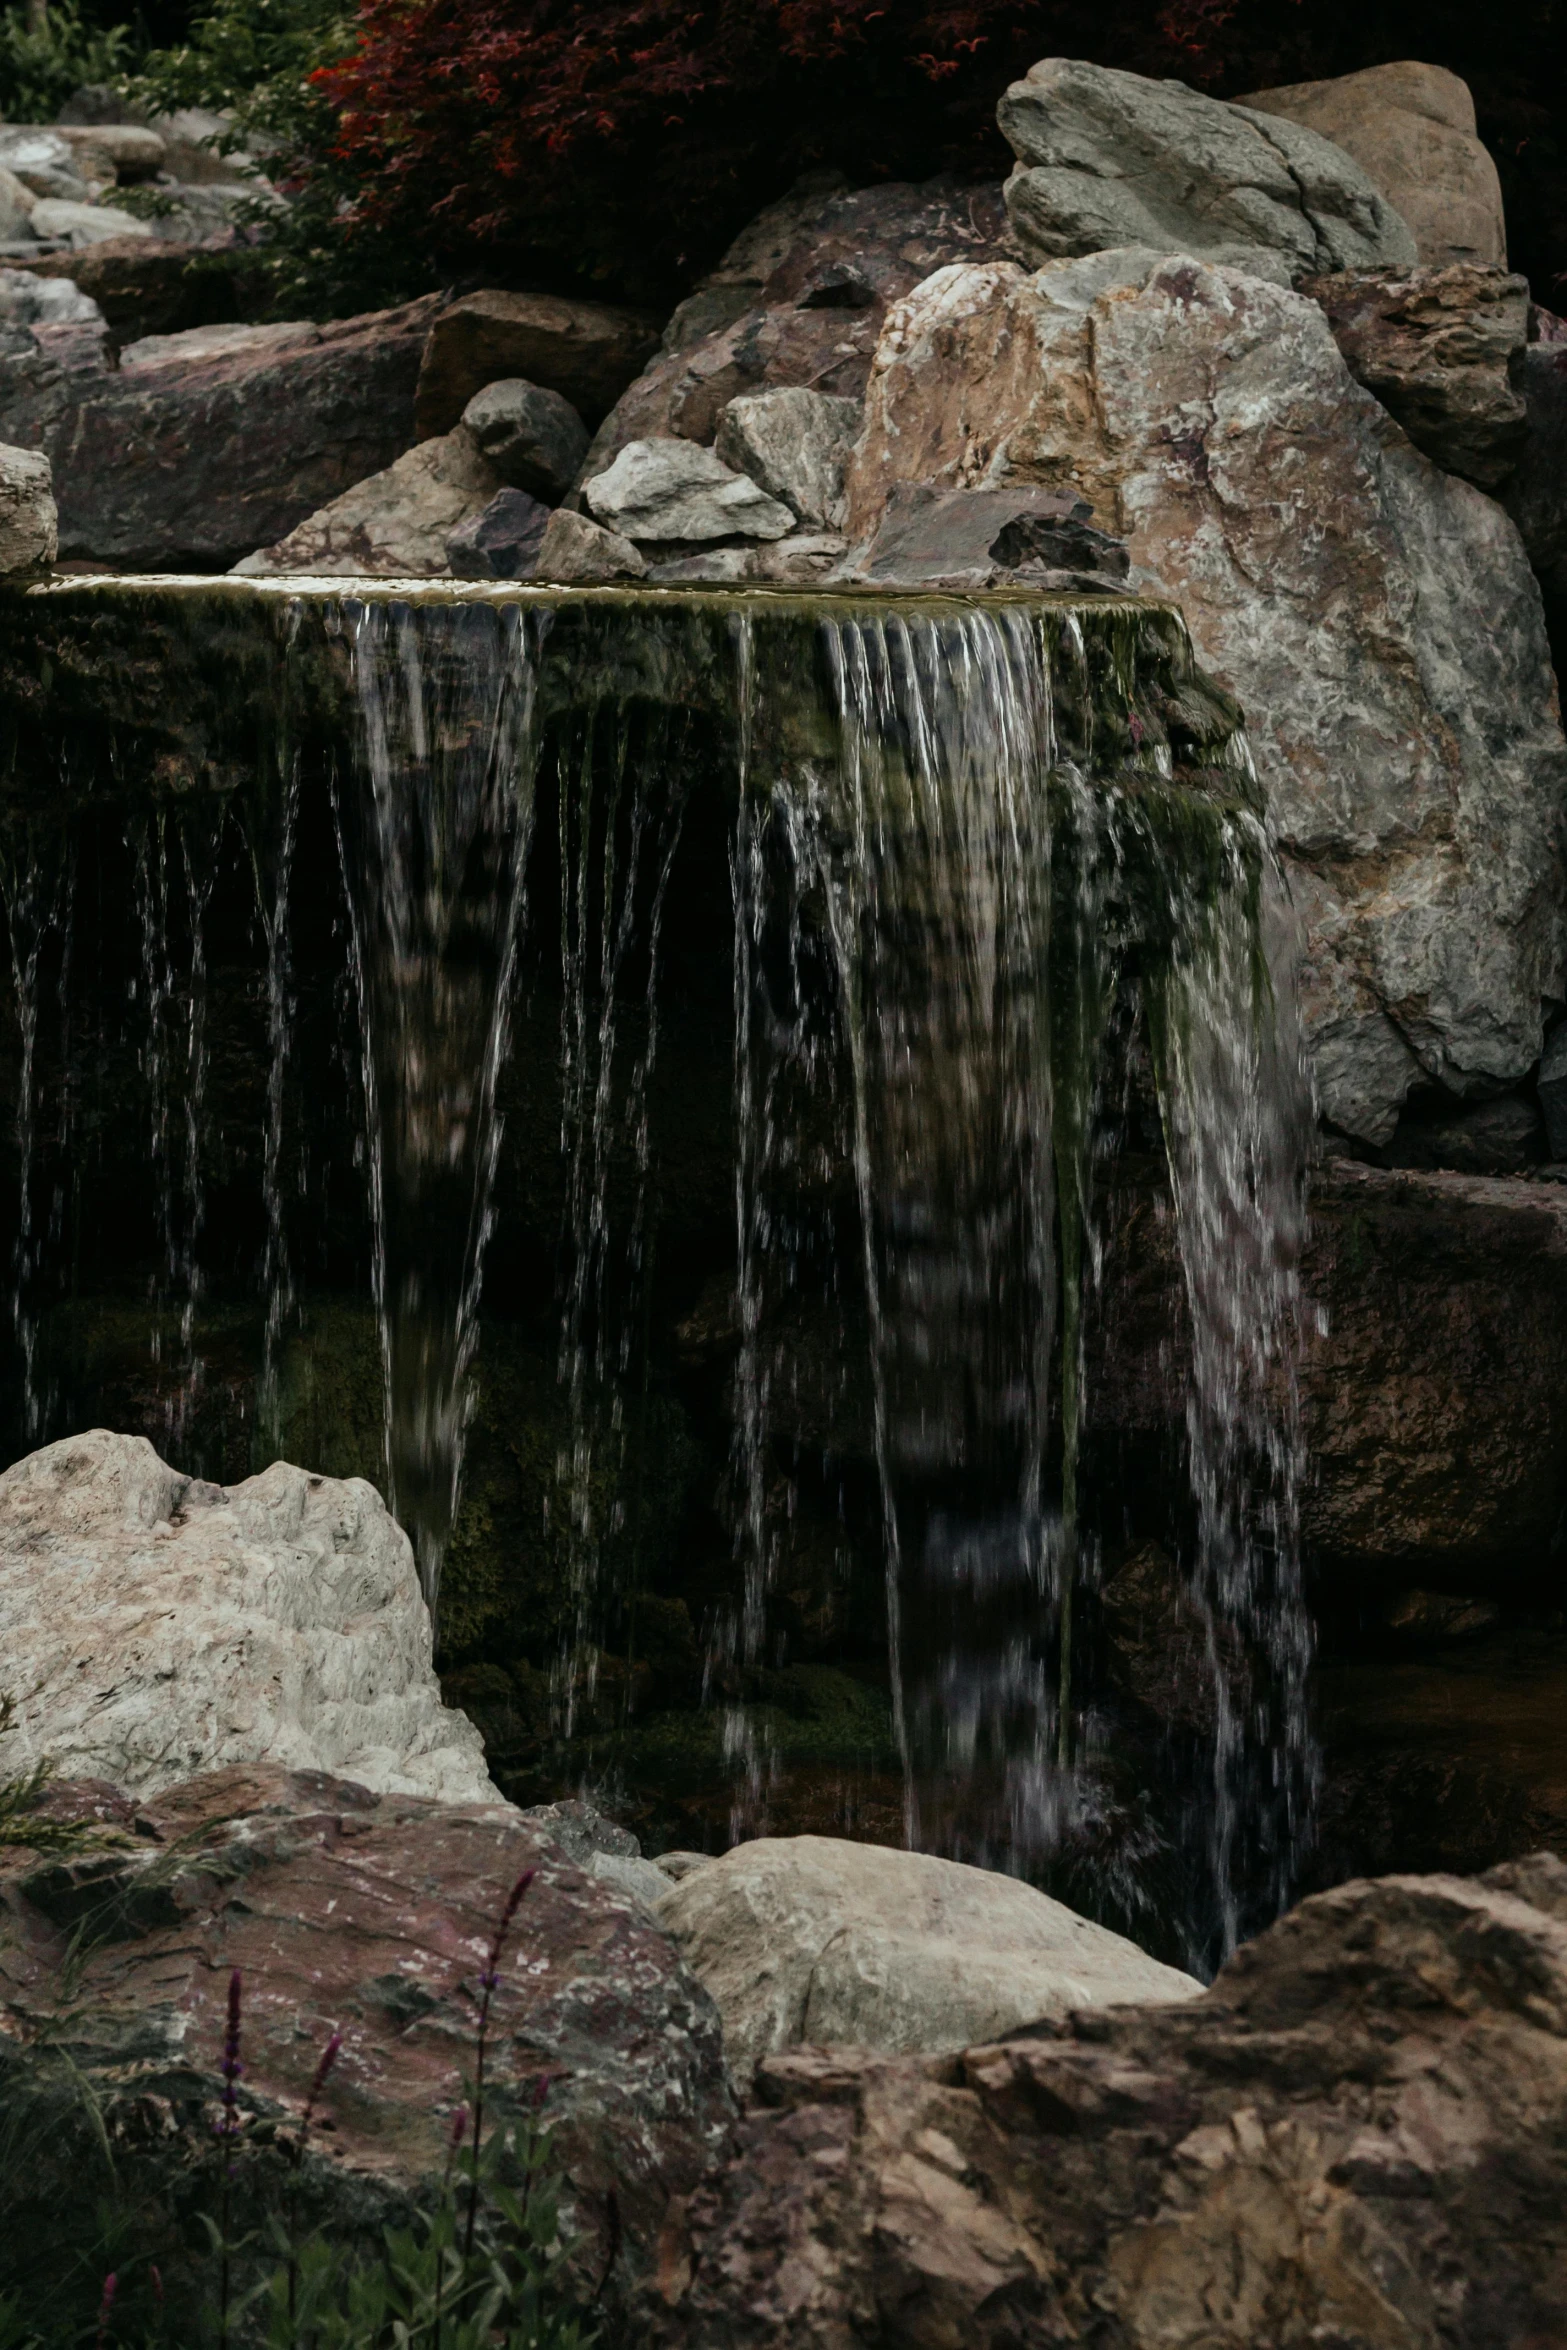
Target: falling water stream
[996,889]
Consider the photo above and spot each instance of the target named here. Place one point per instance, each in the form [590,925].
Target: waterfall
[434,816]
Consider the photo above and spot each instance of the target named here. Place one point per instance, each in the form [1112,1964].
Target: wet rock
[192,467]
[1350,2139]
[986,538]
[1374,616]
[1439,1615]
[1535,495]
[534,439]
[586,351]
[152,1626]
[1439,347]
[501,541]
[28,526]
[372,1915]
[1411,128]
[575,552]
[798,300]
[1490,1138]
[794,443]
[803,559]
[85,224]
[1107,158]
[808,1938]
[672,489]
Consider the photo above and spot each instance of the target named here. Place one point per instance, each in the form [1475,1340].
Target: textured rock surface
[26,300]
[799,300]
[43,159]
[1107,158]
[367,1914]
[152,1627]
[501,541]
[1411,128]
[86,224]
[28,523]
[576,552]
[794,443]
[16,207]
[395,524]
[586,351]
[808,1938]
[1434,1400]
[150,285]
[670,489]
[1354,2139]
[192,467]
[534,439]
[1375,617]
[1439,347]
[1536,494]
[990,538]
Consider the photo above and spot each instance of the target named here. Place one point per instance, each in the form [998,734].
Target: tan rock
[1411,128]
[579,553]
[113,151]
[152,1626]
[810,1938]
[587,351]
[28,523]
[1375,617]
[395,524]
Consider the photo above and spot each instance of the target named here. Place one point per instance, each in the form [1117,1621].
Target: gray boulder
[26,300]
[396,525]
[533,437]
[501,541]
[1108,158]
[28,532]
[1374,616]
[811,1938]
[79,224]
[575,552]
[794,443]
[669,489]
[43,161]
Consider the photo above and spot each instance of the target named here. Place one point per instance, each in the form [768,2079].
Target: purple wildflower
[111,2285]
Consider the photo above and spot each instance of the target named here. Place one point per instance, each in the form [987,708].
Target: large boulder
[86,224]
[396,524]
[794,444]
[342,1909]
[1108,158]
[586,351]
[809,1938]
[194,463]
[1356,2138]
[1441,349]
[798,301]
[29,530]
[1411,128]
[152,1626]
[1376,618]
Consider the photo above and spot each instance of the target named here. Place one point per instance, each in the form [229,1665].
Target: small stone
[27,512]
[502,541]
[669,489]
[794,443]
[575,552]
[533,437]
[85,224]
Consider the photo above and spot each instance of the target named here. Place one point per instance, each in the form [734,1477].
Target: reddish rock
[586,351]
[1355,2139]
[370,1915]
[193,463]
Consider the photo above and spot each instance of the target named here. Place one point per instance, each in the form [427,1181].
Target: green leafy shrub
[46,53]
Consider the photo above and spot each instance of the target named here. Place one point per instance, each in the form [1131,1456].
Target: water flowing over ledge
[751,1003]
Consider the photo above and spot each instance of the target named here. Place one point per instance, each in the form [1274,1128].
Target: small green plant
[46,52]
[20,1800]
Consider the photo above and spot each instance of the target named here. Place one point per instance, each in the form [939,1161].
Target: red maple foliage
[625,141]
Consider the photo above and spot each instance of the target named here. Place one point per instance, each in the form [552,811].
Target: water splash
[434,818]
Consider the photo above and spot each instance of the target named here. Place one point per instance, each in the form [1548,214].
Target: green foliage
[19,1803]
[45,55]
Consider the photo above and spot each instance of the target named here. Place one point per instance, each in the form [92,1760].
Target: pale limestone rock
[794,443]
[17,203]
[86,224]
[1411,128]
[153,1627]
[669,489]
[28,522]
[26,300]
[575,552]
[1108,158]
[1376,617]
[810,1938]
[396,524]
